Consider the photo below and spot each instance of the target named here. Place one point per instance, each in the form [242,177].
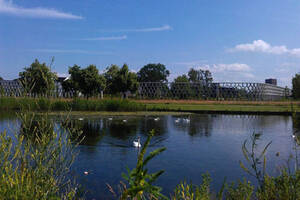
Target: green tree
[110,76]
[181,87]
[153,73]
[40,77]
[201,82]
[296,86]
[203,76]
[88,81]
[120,79]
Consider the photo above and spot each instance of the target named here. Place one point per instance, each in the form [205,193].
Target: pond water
[207,143]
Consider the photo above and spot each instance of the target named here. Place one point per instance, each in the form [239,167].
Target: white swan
[156,119]
[110,118]
[80,119]
[177,120]
[137,143]
[124,120]
[187,120]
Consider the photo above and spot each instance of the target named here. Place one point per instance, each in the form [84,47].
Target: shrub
[36,167]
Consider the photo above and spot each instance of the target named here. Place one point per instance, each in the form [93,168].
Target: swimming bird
[86,173]
[110,118]
[293,136]
[137,143]
[177,120]
[80,119]
[156,119]
[187,120]
[124,120]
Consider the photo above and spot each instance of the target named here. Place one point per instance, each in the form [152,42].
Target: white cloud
[123,37]
[264,47]
[69,51]
[230,72]
[235,67]
[7,7]
[152,29]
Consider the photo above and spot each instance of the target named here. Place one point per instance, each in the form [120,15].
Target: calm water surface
[208,143]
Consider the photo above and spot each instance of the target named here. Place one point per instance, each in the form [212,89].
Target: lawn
[255,107]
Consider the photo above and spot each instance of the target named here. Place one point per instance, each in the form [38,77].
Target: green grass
[119,105]
[44,104]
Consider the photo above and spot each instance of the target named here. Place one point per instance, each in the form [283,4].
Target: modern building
[272,81]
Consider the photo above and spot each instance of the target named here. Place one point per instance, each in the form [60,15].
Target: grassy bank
[230,107]
[118,105]
[43,104]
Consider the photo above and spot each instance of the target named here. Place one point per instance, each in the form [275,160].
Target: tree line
[39,78]
[117,80]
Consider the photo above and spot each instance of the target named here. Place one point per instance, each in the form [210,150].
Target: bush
[36,167]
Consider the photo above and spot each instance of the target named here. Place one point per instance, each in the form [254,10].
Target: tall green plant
[36,166]
[256,162]
[140,182]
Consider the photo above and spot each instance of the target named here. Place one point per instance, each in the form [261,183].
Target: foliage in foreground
[139,180]
[35,164]
[286,186]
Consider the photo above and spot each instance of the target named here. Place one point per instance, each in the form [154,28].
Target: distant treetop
[153,73]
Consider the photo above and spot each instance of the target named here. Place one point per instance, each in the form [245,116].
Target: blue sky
[236,40]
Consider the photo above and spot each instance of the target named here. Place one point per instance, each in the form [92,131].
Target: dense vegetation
[88,81]
[38,78]
[35,163]
[76,104]
[296,86]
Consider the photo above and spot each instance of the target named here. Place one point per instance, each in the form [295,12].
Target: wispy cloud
[7,7]
[69,51]
[264,47]
[123,37]
[235,67]
[152,29]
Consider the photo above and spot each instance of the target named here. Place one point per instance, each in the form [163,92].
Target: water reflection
[199,125]
[204,143]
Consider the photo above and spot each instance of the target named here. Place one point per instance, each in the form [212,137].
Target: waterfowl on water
[110,118]
[156,119]
[80,119]
[187,120]
[137,143]
[124,120]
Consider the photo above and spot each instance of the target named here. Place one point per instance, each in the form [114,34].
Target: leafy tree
[203,76]
[88,81]
[153,73]
[110,76]
[202,82]
[121,79]
[40,77]
[1,78]
[181,87]
[72,83]
[296,86]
